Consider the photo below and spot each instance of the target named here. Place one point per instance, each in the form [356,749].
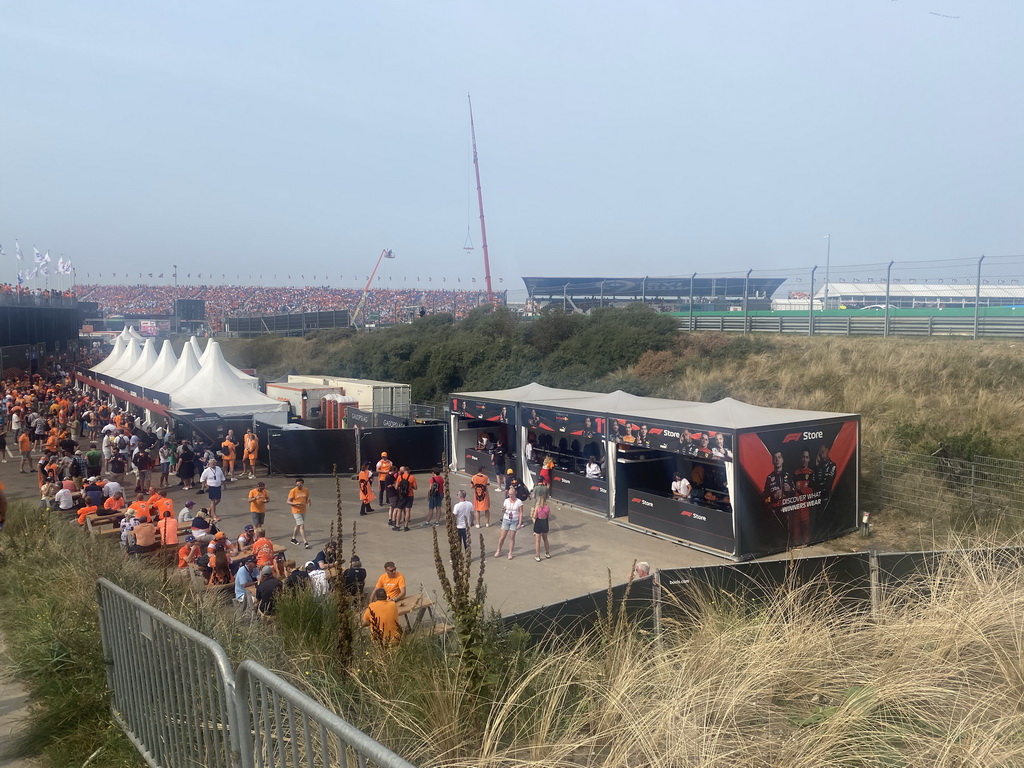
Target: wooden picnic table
[418,604]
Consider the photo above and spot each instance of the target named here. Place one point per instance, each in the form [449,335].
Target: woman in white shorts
[511,521]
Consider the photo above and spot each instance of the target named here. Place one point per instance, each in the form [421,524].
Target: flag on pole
[389,254]
[37,255]
[2,250]
[17,250]
[21,277]
[46,256]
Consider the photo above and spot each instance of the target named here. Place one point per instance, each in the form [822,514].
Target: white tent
[128,359]
[147,357]
[110,361]
[163,367]
[198,350]
[217,388]
[129,333]
[252,381]
[186,369]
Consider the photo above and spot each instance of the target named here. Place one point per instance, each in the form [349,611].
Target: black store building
[730,478]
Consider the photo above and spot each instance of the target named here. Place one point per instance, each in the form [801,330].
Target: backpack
[402,487]
[522,492]
[434,491]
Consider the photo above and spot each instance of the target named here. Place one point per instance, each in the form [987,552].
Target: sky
[273,142]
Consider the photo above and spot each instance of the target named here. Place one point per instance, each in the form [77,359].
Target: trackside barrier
[177,699]
[288,728]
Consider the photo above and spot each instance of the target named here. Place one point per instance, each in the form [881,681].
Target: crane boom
[387,253]
[480,201]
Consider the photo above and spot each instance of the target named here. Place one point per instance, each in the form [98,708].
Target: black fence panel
[319,451]
[579,616]
[845,579]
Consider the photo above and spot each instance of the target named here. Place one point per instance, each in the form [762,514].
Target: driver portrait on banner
[778,486]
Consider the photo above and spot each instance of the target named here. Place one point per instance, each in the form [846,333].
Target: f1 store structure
[758,480]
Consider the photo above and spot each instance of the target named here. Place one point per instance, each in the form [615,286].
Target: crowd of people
[390,305]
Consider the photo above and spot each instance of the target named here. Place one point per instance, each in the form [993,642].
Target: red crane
[480,201]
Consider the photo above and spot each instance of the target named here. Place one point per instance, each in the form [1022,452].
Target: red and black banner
[580,425]
[482,410]
[798,485]
[696,442]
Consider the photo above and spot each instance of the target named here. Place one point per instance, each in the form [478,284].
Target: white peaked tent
[196,348]
[129,333]
[216,388]
[186,369]
[252,381]
[147,357]
[163,367]
[128,359]
[110,361]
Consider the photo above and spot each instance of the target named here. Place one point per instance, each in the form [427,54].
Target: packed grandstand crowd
[390,306]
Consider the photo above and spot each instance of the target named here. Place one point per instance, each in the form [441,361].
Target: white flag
[46,256]
[2,250]
[44,270]
[37,255]
[32,273]
[17,250]
[60,265]
[68,269]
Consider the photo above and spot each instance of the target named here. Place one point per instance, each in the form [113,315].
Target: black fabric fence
[853,583]
[319,451]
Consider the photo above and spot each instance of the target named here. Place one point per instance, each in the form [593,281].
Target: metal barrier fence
[922,483]
[178,700]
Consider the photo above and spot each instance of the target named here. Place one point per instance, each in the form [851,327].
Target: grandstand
[224,301]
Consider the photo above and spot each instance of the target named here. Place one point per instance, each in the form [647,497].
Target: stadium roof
[650,287]
[960,290]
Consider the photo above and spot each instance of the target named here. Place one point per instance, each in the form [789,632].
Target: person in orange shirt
[164,506]
[365,489]
[381,616]
[384,467]
[250,449]
[298,500]
[481,496]
[227,453]
[25,446]
[188,553]
[114,504]
[168,527]
[84,512]
[263,549]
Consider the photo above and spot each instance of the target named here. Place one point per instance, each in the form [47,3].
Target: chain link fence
[919,483]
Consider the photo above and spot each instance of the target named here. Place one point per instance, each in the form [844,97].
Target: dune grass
[934,676]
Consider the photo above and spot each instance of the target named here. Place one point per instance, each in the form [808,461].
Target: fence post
[977,297]
[810,304]
[692,277]
[888,282]
[876,598]
[746,304]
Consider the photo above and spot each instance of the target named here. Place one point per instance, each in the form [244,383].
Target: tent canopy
[216,388]
[726,414]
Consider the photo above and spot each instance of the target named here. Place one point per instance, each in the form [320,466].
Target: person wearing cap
[267,590]
[212,480]
[201,526]
[384,467]
[188,553]
[392,582]
[219,540]
[93,491]
[185,516]
[258,498]
[246,538]
[355,577]
[298,500]
[381,616]
[245,579]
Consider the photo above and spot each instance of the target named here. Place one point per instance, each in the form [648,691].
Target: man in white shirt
[463,513]
[212,480]
[65,499]
[111,487]
[680,487]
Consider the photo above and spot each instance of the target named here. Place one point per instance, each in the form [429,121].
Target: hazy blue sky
[615,138]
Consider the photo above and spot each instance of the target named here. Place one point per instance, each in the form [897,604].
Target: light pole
[828,260]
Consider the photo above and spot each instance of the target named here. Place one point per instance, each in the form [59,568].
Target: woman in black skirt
[185,469]
[540,515]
